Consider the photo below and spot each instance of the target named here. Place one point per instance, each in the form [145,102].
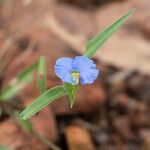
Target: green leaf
[2,147]
[71,90]
[1,111]
[42,75]
[18,83]
[42,101]
[95,43]
[25,124]
[25,75]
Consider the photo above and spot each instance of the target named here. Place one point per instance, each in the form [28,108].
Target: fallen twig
[76,42]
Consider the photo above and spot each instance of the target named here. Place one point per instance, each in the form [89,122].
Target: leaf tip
[132,10]
[71,105]
[22,116]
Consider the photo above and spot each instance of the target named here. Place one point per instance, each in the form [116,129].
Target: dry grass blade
[76,42]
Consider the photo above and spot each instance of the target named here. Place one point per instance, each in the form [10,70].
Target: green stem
[37,135]
[47,142]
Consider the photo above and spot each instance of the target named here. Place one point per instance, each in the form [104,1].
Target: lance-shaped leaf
[42,75]
[42,101]
[2,147]
[18,83]
[95,43]
[71,90]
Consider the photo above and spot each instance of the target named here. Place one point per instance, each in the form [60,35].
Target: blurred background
[111,114]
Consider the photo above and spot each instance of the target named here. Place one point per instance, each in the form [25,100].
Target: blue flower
[72,70]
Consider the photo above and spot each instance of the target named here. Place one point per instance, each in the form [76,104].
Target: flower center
[75,77]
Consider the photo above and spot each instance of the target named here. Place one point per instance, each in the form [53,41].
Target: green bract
[68,89]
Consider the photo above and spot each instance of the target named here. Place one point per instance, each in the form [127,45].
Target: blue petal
[86,68]
[63,69]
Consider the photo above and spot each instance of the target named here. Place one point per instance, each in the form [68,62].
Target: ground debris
[78,138]
[15,138]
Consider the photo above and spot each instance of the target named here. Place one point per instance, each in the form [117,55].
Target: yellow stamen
[75,76]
